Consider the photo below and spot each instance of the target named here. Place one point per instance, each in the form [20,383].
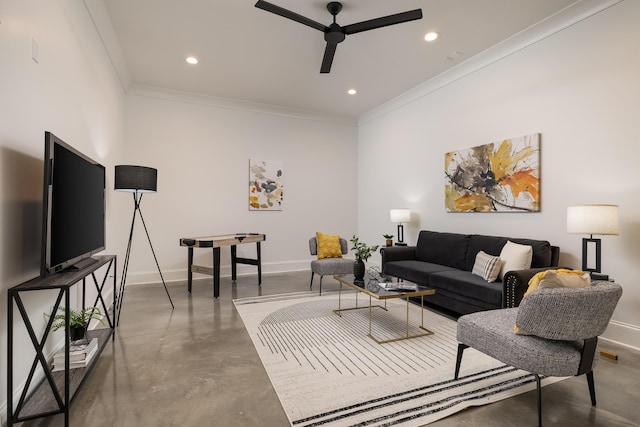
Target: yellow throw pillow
[535,281]
[560,279]
[328,246]
[555,275]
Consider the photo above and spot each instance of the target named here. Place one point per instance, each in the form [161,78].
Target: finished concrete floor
[196,366]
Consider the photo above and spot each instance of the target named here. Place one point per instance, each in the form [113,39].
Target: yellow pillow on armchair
[328,245]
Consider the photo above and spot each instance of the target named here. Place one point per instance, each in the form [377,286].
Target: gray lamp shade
[139,179]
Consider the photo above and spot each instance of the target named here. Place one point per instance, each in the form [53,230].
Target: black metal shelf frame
[54,394]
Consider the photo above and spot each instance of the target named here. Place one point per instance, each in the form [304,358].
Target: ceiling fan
[334,33]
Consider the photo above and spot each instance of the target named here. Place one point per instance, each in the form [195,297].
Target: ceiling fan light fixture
[191,60]
[431,36]
[335,33]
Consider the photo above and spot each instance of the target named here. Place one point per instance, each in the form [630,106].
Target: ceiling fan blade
[327,60]
[269,7]
[398,18]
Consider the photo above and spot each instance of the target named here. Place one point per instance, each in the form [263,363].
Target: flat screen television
[73,220]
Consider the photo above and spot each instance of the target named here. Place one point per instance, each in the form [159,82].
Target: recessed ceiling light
[192,60]
[352,91]
[431,36]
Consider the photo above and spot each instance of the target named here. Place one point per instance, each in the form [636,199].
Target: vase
[358,269]
[77,333]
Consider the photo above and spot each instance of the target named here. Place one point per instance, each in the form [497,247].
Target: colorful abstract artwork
[497,177]
[266,189]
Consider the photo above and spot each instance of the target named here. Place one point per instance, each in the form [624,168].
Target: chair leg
[539,392]
[321,284]
[592,387]
[461,348]
[311,284]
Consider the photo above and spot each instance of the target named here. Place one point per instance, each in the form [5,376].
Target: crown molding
[235,104]
[104,27]
[567,17]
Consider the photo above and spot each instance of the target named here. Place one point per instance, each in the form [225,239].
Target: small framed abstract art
[266,189]
[497,177]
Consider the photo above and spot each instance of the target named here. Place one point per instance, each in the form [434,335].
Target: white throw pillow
[487,266]
[515,257]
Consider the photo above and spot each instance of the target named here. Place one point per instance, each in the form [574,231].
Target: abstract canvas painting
[497,177]
[266,189]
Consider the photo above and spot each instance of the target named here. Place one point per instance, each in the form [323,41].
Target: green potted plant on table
[78,321]
[389,239]
[362,252]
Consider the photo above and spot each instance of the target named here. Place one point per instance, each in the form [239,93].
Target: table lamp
[592,219]
[400,216]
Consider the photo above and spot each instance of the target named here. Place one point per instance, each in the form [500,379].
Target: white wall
[202,155]
[71,91]
[578,88]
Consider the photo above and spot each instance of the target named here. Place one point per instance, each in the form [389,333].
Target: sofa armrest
[555,256]
[515,283]
[397,253]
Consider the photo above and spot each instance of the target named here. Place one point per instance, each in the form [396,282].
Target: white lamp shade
[400,215]
[592,219]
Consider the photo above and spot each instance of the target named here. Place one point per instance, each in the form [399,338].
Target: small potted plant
[362,252]
[78,321]
[389,239]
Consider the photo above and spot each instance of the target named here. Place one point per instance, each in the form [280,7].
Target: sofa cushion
[455,303]
[414,271]
[493,246]
[541,251]
[468,285]
[449,249]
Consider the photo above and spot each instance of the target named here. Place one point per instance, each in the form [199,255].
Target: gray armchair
[330,266]
[563,326]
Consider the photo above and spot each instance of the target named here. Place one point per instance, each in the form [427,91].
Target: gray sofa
[444,262]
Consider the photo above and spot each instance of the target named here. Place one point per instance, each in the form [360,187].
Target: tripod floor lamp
[136,180]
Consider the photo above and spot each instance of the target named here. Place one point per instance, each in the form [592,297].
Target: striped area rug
[328,372]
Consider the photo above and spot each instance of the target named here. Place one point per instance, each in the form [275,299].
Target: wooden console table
[54,394]
[216,242]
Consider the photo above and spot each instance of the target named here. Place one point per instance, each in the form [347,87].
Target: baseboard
[623,333]
[180,275]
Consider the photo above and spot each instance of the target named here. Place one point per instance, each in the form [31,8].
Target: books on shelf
[80,355]
[398,286]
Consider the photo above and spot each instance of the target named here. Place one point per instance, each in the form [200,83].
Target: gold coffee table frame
[383,295]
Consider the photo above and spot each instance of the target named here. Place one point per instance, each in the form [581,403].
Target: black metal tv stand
[55,392]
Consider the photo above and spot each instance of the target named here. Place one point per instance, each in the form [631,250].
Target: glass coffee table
[384,288]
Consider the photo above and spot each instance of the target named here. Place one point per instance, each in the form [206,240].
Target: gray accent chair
[330,266]
[563,326]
